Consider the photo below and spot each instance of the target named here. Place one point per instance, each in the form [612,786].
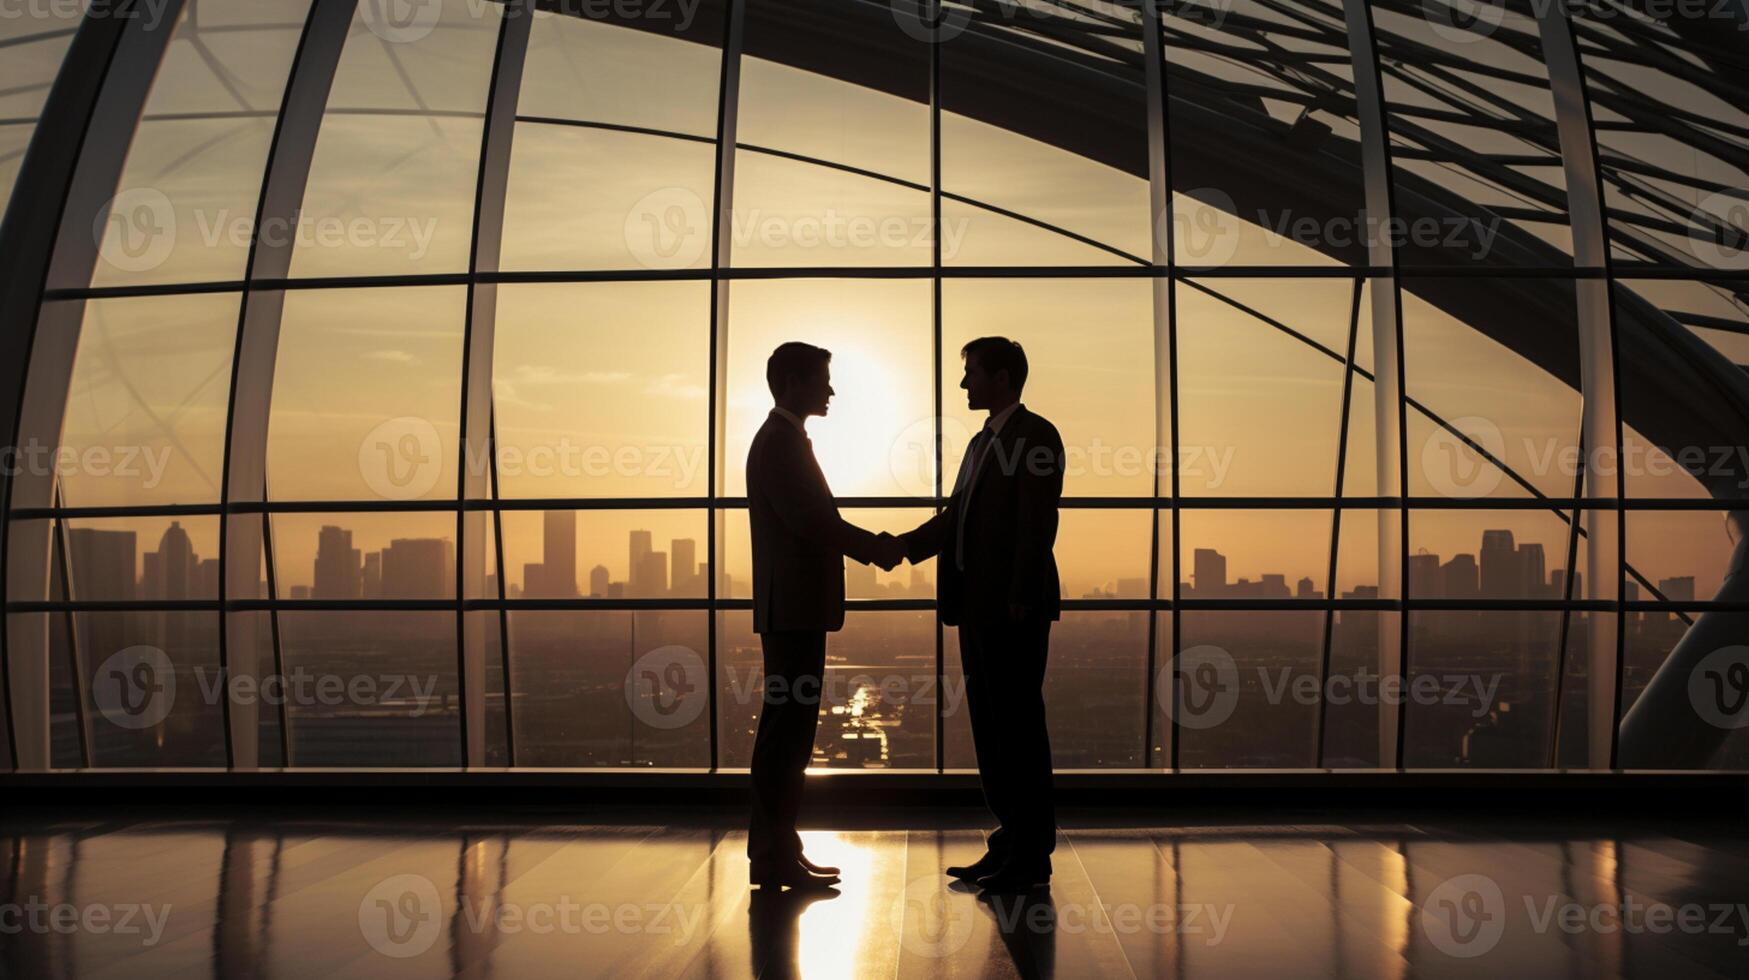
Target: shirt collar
[997,421]
[793,420]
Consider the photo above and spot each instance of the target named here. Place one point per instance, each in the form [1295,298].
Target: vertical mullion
[1566,613]
[63,559]
[503,610]
[1336,515]
[1390,438]
[1160,289]
[247,407]
[479,335]
[267,558]
[1600,428]
[936,369]
[722,227]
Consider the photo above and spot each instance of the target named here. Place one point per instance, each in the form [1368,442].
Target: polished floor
[150,892]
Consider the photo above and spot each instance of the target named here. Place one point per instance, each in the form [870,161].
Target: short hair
[999,354]
[793,360]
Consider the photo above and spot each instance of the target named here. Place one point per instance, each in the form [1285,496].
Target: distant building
[598,582]
[1209,572]
[339,570]
[419,568]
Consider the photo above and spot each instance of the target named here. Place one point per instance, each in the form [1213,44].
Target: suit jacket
[1010,505]
[799,541]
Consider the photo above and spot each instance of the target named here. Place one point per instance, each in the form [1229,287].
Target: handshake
[889,552]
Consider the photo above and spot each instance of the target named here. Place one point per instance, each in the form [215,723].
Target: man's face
[814,393]
[980,387]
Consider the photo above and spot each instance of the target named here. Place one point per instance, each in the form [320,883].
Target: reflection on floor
[633,893]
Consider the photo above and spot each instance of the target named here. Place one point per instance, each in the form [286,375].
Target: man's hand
[889,552]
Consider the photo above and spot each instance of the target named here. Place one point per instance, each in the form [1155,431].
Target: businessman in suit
[998,584]
[799,545]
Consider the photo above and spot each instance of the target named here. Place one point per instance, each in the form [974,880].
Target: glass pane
[610,688]
[184,210]
[1686,555]
[1498,361]
[365,556]
[1044,116]
[1480,689]
[129,558]
[366,393]
[155,688]
[1248,554]
[34,48]
[879,334]
[372,688]
[1672,159]
[1516,554]
[1679,343]
[1258,93]
[878,698]
[391,186]
[1260,368]
[648,71]
[907,581]
[1095,384]
[804,209]
[586,198]
[146,406]
[601,389]
[605,554]
[1248,688]
[1103,554]
[1477,133]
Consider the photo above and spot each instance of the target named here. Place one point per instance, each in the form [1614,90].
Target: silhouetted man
[999,586]
[799,544]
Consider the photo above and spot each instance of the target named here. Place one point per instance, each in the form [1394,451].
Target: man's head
[800,378]
[995,373]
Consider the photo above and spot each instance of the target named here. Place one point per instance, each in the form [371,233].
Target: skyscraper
[559,553]
[650,574]
[1462,577]
[1502,567]
[419,568]
[1209,572]
[598,582]
[101,563]
[683,556]
[338,572]
[641,543]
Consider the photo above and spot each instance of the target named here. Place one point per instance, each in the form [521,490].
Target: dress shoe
[819,869]
[789,876]
[1014,878]
[989,864]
